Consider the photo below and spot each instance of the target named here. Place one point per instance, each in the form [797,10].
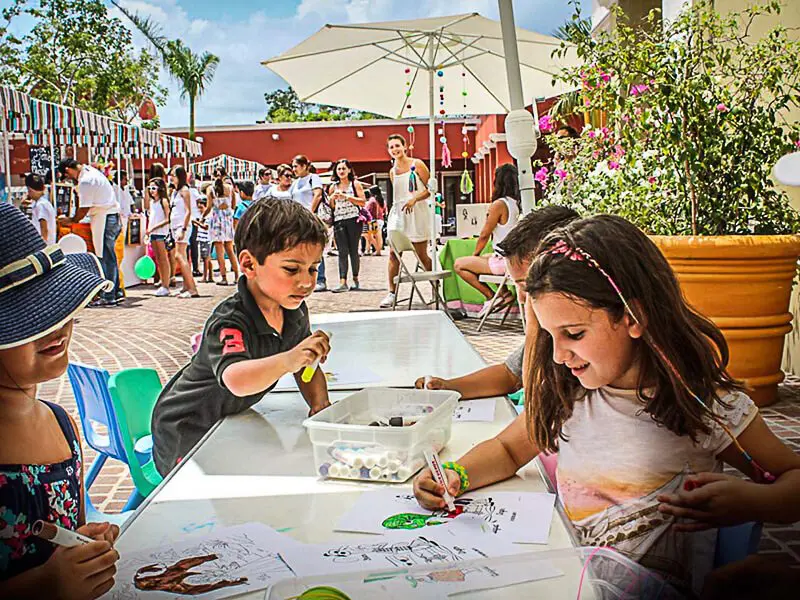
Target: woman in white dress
[502,217]
[410,212]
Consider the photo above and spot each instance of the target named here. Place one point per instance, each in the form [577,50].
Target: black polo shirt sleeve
[228,341]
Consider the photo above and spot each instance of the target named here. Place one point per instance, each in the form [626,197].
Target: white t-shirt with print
[261,191]
[43,210]
[615,462]
[96,193]
[303,189]
[124,201]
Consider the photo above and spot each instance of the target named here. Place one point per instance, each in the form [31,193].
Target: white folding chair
[399,243]
[501,281]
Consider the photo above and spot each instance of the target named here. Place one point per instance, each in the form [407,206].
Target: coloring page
[400,549]
[475,410]
[521,517]
[229,562]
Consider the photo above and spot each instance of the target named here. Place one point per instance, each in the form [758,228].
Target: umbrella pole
[519,125]
[432,187]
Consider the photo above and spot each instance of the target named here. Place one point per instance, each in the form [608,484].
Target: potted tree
[694,121]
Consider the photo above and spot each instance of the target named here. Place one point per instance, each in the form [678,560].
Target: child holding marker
[41,466]
[628,384]
[254,337]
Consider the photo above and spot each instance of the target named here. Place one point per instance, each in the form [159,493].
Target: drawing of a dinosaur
[172,578]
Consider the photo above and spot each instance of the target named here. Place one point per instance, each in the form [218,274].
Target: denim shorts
[157,237]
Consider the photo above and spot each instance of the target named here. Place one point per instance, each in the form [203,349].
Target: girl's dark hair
[219,183]
[162,187]
[692,344]
[506,183]
[180,174]
[396,136]
[351,176]
[157,171]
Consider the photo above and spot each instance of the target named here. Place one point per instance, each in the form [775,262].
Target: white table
[258,466]
[398,347]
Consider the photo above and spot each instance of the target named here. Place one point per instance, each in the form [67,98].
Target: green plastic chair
[134,393]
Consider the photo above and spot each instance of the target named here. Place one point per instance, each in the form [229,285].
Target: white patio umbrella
[362,66]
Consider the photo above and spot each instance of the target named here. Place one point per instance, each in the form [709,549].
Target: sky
[242,33]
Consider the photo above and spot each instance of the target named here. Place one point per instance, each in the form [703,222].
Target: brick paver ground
[154,332]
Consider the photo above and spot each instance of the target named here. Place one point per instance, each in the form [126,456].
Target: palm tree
[193,72]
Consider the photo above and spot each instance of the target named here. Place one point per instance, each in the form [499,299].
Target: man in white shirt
[264,183]
[43,212]
[124,198]
[96,198]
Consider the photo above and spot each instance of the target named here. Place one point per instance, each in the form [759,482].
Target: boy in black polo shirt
[252,338]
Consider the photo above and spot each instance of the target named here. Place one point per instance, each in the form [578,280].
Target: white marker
[308,372]
[59,535]
[438,476]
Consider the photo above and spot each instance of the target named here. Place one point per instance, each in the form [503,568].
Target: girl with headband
[628,384]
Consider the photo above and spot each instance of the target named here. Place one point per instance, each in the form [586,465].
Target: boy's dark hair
[273,225]
[67,163]
[246,188]
[676,338]
[522,241]
[34,181]
[571,131]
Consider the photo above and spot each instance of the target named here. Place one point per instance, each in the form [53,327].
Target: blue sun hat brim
[45,303]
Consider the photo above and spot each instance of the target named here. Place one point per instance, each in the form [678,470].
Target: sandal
[223,283]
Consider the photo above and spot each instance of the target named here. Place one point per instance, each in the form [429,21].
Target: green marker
[309,371]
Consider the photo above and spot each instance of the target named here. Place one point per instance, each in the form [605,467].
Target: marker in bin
[308,372]
[435,466]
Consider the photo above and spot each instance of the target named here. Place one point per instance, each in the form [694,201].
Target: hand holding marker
[59,535]
[438,476]
[308,372]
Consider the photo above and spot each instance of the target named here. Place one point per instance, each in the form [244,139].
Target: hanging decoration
[466,185]
[410,130]
[408,88]
[412,179]
[147,111]
[447,160]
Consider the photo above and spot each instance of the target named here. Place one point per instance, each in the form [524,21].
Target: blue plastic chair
[100,426]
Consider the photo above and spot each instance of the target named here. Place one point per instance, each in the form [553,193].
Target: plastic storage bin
[346,446]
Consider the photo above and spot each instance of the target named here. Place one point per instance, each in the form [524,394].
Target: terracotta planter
[743,283]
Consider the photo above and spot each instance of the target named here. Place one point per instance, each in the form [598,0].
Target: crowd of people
[623,379]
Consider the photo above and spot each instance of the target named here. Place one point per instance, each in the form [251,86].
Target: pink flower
[797,144]
[592,133]
[604,131]
[618,151]
[605,77]
[638,89]
[560,173]
[651,180]
[722,108]
[586,102]
[541,176]
[625,118]
[596,154]
[546,123]
[612,164]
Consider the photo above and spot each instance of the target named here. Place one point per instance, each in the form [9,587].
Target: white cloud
[236,96]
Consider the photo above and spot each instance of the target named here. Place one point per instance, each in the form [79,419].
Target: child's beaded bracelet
[462,474]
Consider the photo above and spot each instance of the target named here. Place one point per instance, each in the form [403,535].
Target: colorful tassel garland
[447,160]
[466,183]
[412,180]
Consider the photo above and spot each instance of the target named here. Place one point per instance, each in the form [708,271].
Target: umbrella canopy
[362,66]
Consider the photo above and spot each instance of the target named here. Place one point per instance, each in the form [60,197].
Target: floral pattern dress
[32,492]
[220,225]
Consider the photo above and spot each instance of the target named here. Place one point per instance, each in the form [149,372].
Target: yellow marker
[308,372]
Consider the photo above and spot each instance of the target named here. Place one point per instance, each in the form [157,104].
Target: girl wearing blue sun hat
[41,465]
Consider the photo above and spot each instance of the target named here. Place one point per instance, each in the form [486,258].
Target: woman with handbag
[158,229]
[220,224]
[410,212]
[347,197]
[307,190]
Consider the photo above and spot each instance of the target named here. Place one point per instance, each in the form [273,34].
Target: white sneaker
[161,292]
[484,309]
[387,301]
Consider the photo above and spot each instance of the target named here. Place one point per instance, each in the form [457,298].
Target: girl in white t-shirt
[628,384]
